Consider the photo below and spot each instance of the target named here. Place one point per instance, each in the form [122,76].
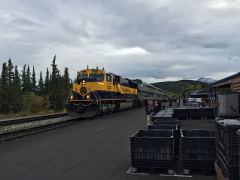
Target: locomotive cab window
[96,77]
[82,76]
[109,78]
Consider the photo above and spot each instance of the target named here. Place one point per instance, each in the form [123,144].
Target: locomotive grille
[83,90]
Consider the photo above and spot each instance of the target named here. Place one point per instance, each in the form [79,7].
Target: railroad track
[14,128]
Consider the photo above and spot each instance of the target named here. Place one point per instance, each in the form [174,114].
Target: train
[95,91]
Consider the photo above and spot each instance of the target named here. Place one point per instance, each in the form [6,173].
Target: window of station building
[109,78]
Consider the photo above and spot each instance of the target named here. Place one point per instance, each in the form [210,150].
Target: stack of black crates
[227,147]
[194,113]
[152,150]
[156,147]
[198,151]
[238,132]
[181,113]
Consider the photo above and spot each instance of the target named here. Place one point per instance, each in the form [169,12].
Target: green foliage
[17,93]
[66,82]
[32,103]
[56,88]
[41,85]
[10,74]
[24,88]
[47,83]
[4,104]
[180,88]
[34,86]
[20,94]
[28,80]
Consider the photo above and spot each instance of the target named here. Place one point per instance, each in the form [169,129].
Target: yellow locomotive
[95,91]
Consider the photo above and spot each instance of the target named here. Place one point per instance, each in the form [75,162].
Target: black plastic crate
[153,149]
[176,134]
[228,139]
[229,116]
[169,122]
[208,113]
[163,126]
[232,173]
[173,127]
[173,122]
[238,133]
[198,147]
[181,113]
[219,131]
[195,113]
[163,118]
[199,165]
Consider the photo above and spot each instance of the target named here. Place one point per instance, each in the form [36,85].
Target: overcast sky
[154,40]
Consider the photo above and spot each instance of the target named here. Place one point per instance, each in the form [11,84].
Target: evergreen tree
[17,94]
[10,73]
[10,99]
[41,85]
[24,79]
[28,80]
[66,82]
[4,106]
[33,80]
[56,93]
[46,83]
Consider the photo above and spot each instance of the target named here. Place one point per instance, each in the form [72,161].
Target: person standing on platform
[157,106]
[149,111]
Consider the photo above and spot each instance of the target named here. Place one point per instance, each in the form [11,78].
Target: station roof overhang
[202,93]
[232,82]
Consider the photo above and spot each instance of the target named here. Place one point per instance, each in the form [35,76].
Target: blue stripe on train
[114,95]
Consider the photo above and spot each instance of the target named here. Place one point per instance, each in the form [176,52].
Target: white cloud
[126,51]
[157,40]
[154,80]
[221,75]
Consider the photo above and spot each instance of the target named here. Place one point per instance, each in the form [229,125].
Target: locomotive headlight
[71,97]
[88,96]
[83,82]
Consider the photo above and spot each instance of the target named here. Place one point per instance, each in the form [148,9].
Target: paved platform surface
[95,149]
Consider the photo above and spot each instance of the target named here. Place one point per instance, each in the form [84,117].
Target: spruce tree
[10,86]
[28,80]
[24,87]
[4,104]
[56,93]
[40,85]
[33,80]
[46,83]
[0,95]
[17,94]
[10,73]
[66,82]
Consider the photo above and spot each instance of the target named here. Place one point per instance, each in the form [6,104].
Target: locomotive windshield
[82,76]
[93,77]
[96,77]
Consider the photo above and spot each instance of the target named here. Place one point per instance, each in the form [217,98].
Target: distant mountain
[179,87]
[206,80]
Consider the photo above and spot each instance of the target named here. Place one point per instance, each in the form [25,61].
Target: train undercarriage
[91,108]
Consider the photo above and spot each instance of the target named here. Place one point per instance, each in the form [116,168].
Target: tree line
[24,92]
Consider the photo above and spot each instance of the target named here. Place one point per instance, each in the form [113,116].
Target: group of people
[152,106]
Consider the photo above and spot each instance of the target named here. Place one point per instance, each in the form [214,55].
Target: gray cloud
[135,38]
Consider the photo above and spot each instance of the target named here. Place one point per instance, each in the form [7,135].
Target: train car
[95,92]
[148,91]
